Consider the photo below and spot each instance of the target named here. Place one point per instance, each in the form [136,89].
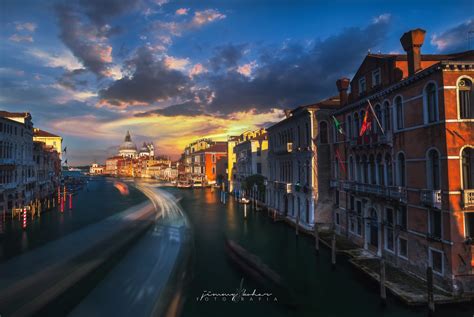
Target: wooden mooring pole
[333,250]
[429,282]
[383,292]
[316,237]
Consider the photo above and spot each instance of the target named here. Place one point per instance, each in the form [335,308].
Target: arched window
[388,169]
[356,124]
[434,181]
[431,103]
[468,168]
[401,170]
[365,170]
[351,168]
[380,173]
[323,132]
[378,113]
[386,116]
[466,99]
[399,113]
[349,127]
[373,178]
[358,170]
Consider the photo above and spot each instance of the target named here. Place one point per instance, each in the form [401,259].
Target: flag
[338,156]
[65,149]
[338,126]
[375,117]
[366,123]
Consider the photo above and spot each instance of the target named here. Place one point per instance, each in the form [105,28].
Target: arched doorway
[373,230]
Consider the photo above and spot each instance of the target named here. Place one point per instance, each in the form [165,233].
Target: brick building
[405,190]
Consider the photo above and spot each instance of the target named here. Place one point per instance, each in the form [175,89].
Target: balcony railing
[372,139]
[284,148]
[468,197]
[390,192]
[333,183]
[431,198]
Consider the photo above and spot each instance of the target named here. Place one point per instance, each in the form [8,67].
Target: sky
[174,71]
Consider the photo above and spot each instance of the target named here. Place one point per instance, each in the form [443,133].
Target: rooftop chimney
[342,85]
[412,42]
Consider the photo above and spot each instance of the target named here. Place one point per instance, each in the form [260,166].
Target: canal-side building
[210,164]
[29,170]
[231,159]
[48,138]
[404,187]
[299,165]
[251,154]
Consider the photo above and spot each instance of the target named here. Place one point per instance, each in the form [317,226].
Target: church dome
[127,144]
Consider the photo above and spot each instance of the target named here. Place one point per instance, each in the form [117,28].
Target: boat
[182,184]
[197,184]
[244,200]
[251,264]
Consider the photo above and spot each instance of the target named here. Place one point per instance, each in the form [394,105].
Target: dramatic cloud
[227,56]
[21,38]
[99,11]
[455,39]
[64,59]
[87,42]
[151,81]
[182,11]
[27,26]
[197,69]
[206,16]
[176,63]
[293,74]
[247,69]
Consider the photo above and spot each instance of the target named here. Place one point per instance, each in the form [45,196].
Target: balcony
[372,140]
[431,198]
[7,161]
[284,148]
[333,183]
[391,192]
[468,197]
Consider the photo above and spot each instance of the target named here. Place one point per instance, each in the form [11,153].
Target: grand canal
[313,288]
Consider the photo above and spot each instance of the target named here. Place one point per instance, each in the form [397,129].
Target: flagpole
[375,116]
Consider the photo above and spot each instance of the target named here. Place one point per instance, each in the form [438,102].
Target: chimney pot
[412,42]
[342,86]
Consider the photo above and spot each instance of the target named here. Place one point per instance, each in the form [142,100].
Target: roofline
[442,65]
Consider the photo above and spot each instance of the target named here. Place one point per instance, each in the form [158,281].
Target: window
[362,85]
[403,247]
[373,178]
[388,169]
[337,198]
[467,168]
[338,221]
[381,178]
[402,217]
[376,78]
[213,158]
[401,170]
[323,132]
[436,261]
[466,99]
[433,170]
[431,103]
[259,168]
[356,125]
[378,113]
[386,116]
[365,170]
[259,151]
[469,221]
[435,223]
[308,135]
[399,112]
[351,168]
[389,236]
[349,127]
[359,217]
[213,170]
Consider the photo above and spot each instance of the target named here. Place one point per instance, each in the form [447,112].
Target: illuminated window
[466,99]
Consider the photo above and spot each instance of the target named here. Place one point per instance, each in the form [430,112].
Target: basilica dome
[128,148]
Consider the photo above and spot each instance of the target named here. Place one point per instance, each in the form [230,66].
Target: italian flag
[338,126]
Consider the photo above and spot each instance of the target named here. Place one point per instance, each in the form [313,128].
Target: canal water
[314,288]
[98,200]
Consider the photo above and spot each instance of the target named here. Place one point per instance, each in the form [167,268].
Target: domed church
[128,149]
